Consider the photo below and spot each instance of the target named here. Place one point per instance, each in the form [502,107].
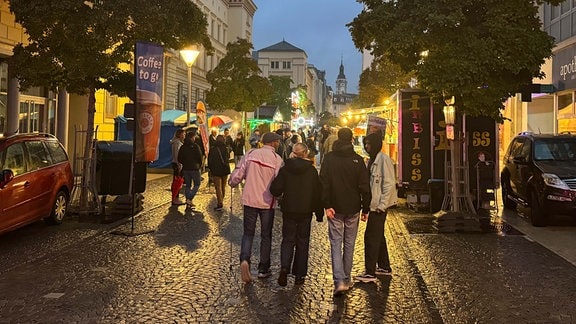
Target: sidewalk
[187,271]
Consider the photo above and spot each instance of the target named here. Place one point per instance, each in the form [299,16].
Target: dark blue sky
[316,26]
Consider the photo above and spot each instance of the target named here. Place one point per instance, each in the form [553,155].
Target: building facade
[285,59]
[555,112]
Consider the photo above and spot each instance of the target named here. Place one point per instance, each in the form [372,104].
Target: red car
[36,180]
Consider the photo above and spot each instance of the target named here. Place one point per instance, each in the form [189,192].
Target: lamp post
[189,55]
[449,119]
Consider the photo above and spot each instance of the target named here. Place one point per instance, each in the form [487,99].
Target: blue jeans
[189,177]
[342,231]
[266,223]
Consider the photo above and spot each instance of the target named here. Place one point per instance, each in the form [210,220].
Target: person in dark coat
[299,185]
[218,158]
[228,139]
[345,192]
[190,156]
[281,150]
[238,147]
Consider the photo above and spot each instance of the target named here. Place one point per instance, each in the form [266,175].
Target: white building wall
[297,72]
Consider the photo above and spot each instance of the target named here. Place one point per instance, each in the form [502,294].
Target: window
[111,105]
[516,148]
[565,104]
[39,158]
[275,65]
[525,153]
[14,159]
[56,151]
[286,65]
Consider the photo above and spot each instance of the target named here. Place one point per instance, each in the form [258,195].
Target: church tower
[341,82]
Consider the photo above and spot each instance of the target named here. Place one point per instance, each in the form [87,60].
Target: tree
[380,81]
[281,93]
[300,101]
[80,45]
[236,81]
[480,51]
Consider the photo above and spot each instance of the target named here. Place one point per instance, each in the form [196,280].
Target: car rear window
[39,157]
[56,151]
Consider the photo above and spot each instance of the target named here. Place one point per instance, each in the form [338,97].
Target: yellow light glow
[449,114]
[189,54]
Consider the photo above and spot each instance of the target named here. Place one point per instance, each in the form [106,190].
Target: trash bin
[436,190]
[113,163]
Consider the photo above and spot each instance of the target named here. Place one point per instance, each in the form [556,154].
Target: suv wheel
[537,216]
[508,203]
[59,209]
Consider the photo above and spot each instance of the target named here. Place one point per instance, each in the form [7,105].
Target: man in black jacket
[299,184]
[190,156]
[345,191]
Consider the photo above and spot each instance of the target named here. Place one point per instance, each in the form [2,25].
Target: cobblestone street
[186,270]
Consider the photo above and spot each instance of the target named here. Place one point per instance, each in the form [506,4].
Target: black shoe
[283,278]
[219,208]
[299,280]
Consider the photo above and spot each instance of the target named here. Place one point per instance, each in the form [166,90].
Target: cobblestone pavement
[184,268]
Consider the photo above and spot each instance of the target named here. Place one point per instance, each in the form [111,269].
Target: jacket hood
[375,140]
[297,165]
[343,148]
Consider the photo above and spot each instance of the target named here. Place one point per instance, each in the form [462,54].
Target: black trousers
[375,248]
[295,243]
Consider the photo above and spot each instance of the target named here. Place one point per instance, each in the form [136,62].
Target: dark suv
[35,180]
[540,172]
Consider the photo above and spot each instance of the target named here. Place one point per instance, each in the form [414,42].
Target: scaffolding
[84,198]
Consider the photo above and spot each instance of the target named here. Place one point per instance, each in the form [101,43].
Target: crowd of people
[279,170]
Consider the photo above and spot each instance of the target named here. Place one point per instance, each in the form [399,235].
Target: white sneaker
[366,277]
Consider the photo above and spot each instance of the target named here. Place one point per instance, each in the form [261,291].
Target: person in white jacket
[384,196]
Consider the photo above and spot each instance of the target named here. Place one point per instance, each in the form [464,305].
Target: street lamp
[189,55]
[450,118]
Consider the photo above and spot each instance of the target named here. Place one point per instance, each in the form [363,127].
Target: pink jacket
[258,168]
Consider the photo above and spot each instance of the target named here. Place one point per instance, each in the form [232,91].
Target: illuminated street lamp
[189,55]
[450,118]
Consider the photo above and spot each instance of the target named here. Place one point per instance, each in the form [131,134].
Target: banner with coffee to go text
[149,61]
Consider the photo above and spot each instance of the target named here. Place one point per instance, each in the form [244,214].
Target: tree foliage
[480,51]
[79,45]
[236,81]
[380,81]
[301,101]
[281,93]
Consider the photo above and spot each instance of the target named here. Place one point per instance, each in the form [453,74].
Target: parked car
[539,172]
[35,180]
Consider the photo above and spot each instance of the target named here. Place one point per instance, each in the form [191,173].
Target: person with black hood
[384,196]
[190,156]
[345,192]
[299,185]
[219,165]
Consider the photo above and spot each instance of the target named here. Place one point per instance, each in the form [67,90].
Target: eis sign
[415,139]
